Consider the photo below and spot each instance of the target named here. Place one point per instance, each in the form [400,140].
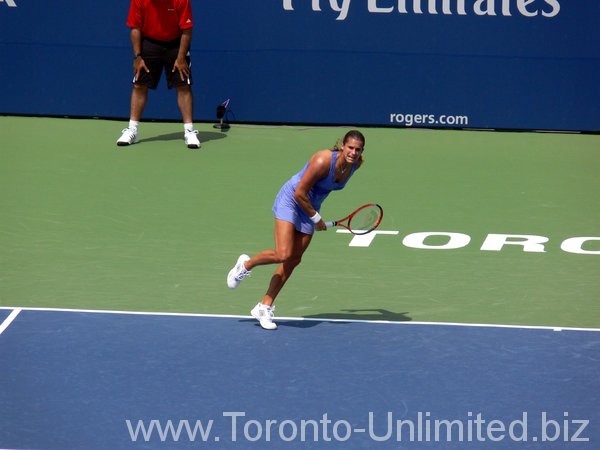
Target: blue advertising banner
[510,64]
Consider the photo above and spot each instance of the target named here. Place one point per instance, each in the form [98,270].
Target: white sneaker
[238,273]
[264,315]
[191,139]
[128,137]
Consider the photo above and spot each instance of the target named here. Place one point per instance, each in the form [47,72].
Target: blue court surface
[110,380]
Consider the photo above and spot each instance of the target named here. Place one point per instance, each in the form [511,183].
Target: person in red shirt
[161,36]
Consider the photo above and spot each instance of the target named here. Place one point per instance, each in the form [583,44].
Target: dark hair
[352,134]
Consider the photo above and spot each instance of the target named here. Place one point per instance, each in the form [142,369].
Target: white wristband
[316,218]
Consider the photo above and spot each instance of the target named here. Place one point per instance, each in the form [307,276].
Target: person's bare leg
[139,97]
[285,269]
[185,101]
[284,244]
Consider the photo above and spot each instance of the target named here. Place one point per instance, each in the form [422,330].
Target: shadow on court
[204,136]
[292,323]
[364,314]
[296,323]
[346,314]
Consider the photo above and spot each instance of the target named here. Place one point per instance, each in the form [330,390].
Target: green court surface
[156,227]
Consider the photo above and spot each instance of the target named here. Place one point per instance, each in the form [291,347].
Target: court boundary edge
[9,319]
[304,319]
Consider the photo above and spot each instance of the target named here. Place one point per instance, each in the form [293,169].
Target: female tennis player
[297,215]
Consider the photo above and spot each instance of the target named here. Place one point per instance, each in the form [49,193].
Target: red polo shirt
[163,20]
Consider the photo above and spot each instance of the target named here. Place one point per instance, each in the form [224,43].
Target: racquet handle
[330,224]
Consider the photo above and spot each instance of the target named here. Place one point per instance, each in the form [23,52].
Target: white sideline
[17,310]
[12,316]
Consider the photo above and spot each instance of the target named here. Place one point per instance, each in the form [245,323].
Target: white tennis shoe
[264,315]
[238,273]
[191,139]
[129,136]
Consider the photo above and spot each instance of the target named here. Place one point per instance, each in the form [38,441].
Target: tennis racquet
[362,221]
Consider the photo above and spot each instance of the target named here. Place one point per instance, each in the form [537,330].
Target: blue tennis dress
[286,208]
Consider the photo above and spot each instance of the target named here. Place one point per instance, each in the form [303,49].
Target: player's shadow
[204,136]
[347,315]
[295,323]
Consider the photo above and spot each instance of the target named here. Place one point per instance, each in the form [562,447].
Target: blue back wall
[516,64]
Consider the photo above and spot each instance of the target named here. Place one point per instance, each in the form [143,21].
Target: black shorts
[160,56]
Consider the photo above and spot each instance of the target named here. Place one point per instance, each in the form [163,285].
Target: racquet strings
[364,219]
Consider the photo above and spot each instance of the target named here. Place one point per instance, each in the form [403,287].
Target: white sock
[133,124]
[188,126]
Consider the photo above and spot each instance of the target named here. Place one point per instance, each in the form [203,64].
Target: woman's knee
[288,257]
[282,255]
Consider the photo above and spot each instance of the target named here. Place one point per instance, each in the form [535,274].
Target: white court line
[307,319]
[12,316]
